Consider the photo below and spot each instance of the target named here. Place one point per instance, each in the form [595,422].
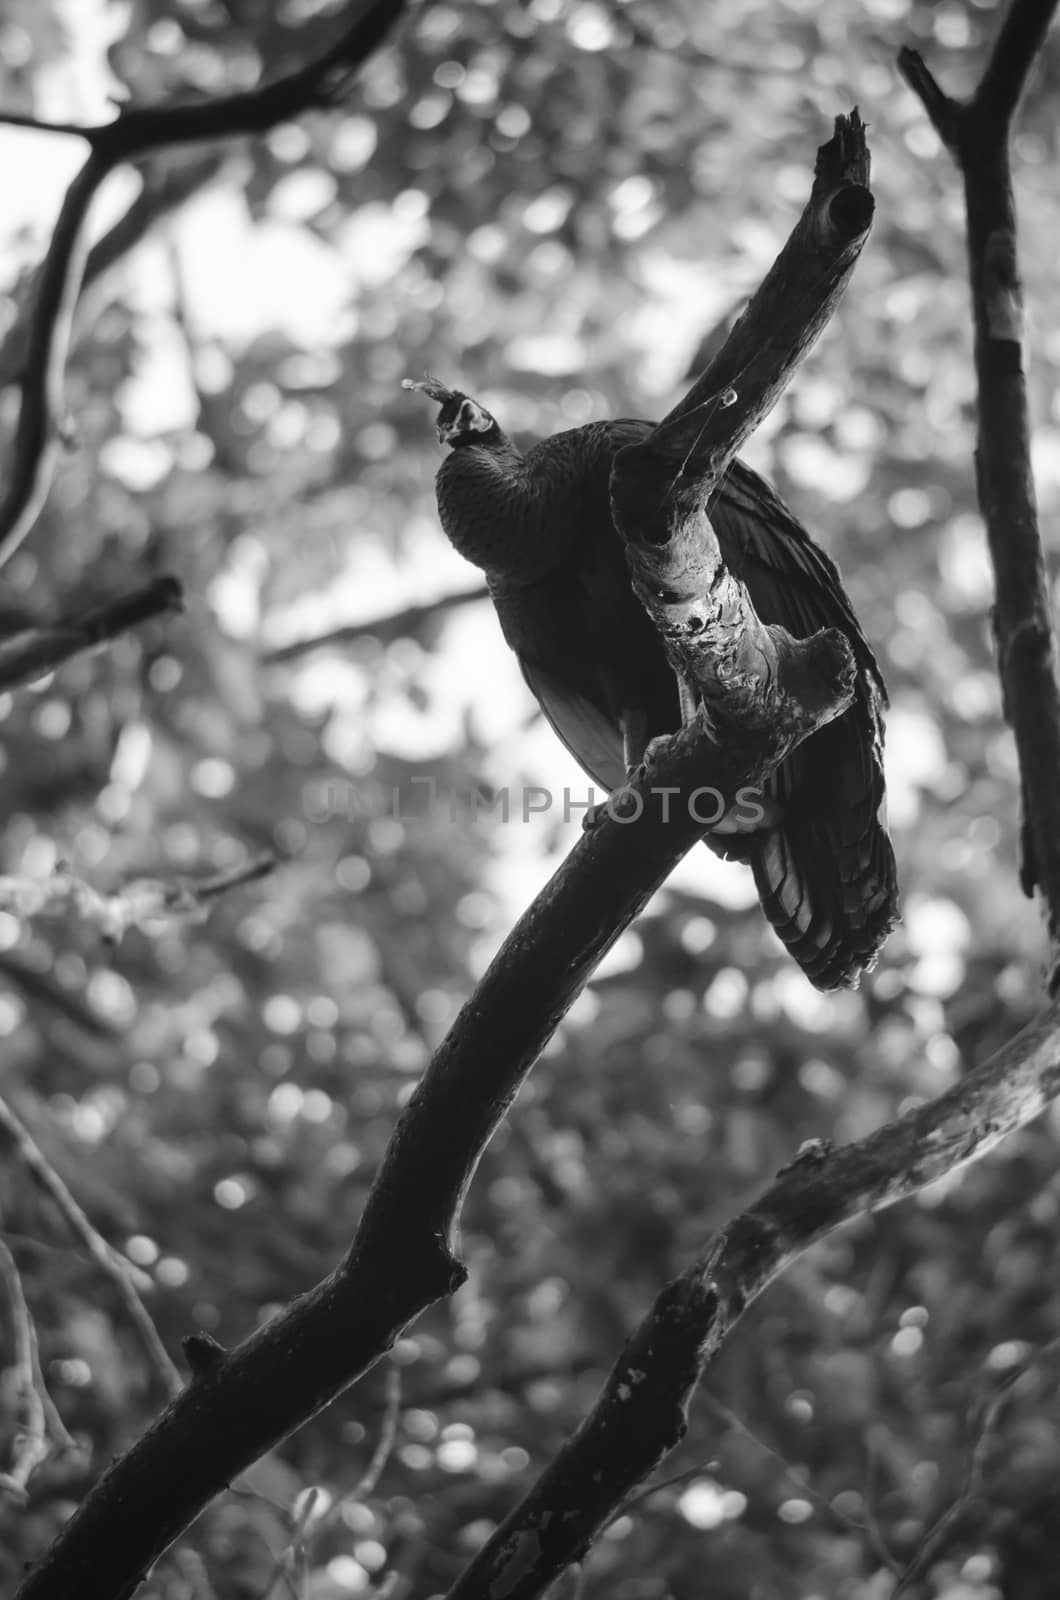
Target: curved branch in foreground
[641,1410]
[977,133]
[248,1399]
[132,134]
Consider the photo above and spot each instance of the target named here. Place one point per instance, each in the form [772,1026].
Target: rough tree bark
[240,1402]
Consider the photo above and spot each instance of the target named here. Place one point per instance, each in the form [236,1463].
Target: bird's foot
[620,803]
[654,751]
[593,817]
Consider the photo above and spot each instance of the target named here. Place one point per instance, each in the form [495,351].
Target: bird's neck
[502,511]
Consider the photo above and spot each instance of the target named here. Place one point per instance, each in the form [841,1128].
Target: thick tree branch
[978,133]
[641,1412]
[661,489]
[132,134]
[796,299]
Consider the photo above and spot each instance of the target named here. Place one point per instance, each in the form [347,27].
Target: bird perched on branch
[540,526]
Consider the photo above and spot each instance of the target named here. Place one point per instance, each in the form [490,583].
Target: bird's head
[460,420]
[463,421]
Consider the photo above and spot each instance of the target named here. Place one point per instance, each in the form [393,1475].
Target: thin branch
[286,1562]
[31,1439]
[936,1536]
[384,1447]
[978,133]
[794,1476]
[45,994]
[43,1430]
[38,648]
[191,895]
[870,1498]
[641,1411]
[943,112]
[150,904]
[132,134]
[368,1482]
[398,625]
[110,1261]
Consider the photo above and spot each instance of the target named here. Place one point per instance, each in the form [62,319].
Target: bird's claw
[594,816]
[616,804]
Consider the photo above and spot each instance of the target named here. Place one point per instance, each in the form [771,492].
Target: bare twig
[978,132]
[795,1477]
[190,894]
[133,133]
[398,625]
[870,1500]
[285,1566]
[43,1429]
[990,1418]
[368,1481]
[110,1261]
[150,904]
[38,648]
[31,1439]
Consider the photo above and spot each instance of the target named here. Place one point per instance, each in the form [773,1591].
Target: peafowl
[539,525]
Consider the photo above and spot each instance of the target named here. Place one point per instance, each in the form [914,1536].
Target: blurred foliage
[552,204]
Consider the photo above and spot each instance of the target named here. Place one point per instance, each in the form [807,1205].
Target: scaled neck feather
[502,511]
